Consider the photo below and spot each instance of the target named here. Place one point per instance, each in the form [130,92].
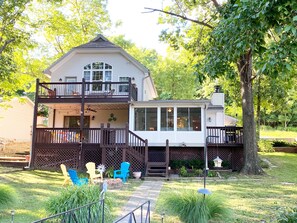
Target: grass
[33,189]
[278,134]
[250,199]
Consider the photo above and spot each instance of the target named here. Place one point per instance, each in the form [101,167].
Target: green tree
[12,36]
[238,32]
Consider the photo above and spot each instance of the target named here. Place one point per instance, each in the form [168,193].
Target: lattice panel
[237,161]
[91,153]
[46,158]
[185,153]
[136,163]
[114,157]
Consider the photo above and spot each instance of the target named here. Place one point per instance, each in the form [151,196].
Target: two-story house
[102,108]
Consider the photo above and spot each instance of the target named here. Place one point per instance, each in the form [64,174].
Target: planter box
[286,149]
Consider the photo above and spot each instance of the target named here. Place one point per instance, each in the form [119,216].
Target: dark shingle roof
[99,42]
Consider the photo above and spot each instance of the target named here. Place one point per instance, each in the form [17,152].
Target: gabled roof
[100,43]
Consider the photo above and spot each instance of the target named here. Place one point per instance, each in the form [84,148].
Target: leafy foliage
[265,146]
[73,197]
[7,196]
[287,216]
[190,206]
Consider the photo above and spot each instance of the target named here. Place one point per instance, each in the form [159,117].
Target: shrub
[7,196]
[265,146]
[189,164]
[190,206]
[282,143]
[109,172]
[198,172]
[287,216]
[226,164]
[73,197]
[183,171]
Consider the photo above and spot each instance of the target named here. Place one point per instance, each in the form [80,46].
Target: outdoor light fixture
[60,79]
[93,117]
[209,119]
[218,162]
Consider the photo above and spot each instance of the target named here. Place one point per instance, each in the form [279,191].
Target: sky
[141,28]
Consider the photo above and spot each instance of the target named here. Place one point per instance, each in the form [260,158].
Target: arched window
[98,72]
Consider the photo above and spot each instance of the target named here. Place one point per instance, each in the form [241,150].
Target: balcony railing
[225,135]
[87,90]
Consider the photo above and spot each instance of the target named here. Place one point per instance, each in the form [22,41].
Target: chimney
[218,97]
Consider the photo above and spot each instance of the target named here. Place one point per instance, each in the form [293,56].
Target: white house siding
[121,67]
[16,120]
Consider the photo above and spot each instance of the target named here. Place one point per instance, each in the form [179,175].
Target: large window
[74,121]
[167,119]
[98,72]
[188,119]
[145,119]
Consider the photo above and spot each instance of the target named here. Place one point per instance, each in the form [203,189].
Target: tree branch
[216,4]
[180,16]
[5,44]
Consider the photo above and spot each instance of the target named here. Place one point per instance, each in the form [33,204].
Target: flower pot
[137,175]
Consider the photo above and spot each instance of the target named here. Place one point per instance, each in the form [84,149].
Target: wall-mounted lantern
[218,162]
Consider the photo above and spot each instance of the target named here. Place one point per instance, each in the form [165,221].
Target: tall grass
[192,208]
[7,196]
[73,197]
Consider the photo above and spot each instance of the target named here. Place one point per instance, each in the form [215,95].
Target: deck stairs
[157,169]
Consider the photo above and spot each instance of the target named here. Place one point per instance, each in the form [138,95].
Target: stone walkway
[148,190]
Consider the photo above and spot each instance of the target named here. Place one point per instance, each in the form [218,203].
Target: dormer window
[97,72]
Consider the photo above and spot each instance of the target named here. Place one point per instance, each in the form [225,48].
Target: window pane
[107,66]
[107,75]
[139,114]
[182,119]
[97,75]
[124,87]
[167,121]
[87,75]
[195,119]
[97,65]
[151,119]
[87,67]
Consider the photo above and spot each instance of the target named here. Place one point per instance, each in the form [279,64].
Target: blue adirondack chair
[123,173]
[75,179]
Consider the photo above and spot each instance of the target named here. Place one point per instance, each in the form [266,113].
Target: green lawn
[250,199]
[33,189]
[278,134]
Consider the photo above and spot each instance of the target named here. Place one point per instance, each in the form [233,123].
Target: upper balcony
[74,92]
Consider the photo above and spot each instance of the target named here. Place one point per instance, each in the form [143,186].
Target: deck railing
[87,90]
[225,135]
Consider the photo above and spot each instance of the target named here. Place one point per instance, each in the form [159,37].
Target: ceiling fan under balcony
[90,109]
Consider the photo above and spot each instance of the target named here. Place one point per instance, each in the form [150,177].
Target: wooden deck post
[146,154]
[103,148]
[126,142]
[167,157]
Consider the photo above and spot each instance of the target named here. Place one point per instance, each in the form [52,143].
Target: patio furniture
[75,179]
[65,174]
[94,178]
[122,173]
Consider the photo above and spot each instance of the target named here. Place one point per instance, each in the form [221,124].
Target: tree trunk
[250,163]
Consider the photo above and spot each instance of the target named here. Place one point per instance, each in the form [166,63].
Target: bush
[190,206]
[183,171]
[265,146]
[189,164]
[109,172]
[7,196]
[73,197]
[282,143]
[288,216]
